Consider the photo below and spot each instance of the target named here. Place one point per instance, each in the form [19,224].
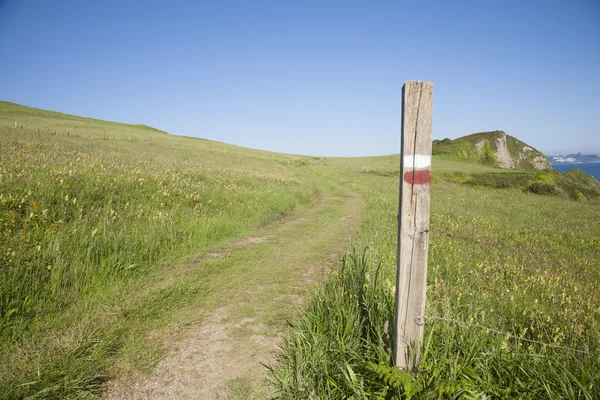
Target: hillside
[106,242]
[510,163]
[495,149]
[579,185]
[37,120]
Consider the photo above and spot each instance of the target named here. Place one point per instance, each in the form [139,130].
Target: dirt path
[262,281]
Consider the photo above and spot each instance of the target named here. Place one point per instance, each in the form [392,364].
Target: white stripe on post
[418,161]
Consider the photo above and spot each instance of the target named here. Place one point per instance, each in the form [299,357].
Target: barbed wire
[422,320]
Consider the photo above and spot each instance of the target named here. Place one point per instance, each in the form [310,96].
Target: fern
[404,382]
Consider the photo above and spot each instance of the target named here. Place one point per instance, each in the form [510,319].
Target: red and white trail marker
[420,172]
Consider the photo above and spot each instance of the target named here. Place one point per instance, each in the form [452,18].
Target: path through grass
[215,345]
[92,233]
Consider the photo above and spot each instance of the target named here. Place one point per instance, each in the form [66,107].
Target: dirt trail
[222,357]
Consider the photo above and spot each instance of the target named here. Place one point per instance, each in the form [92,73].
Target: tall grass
[517,263]
[81,217]
[344,331]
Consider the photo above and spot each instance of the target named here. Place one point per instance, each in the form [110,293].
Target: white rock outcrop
[502,154]
[541,162]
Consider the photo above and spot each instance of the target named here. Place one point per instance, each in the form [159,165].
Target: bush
[542,188]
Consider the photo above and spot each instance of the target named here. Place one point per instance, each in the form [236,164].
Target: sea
[589,168]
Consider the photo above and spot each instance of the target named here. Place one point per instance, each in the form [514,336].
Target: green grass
[450,164]
[104,256]
[38,120]
[239,389]
[579,186]
[84,221]
[515,262]
[385,165]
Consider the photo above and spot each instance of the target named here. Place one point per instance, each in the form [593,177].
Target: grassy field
[500,260]
[106,252]
[86,224]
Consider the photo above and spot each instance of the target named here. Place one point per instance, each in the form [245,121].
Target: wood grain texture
[413,221]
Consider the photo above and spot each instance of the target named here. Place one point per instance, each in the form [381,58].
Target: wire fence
[422,320]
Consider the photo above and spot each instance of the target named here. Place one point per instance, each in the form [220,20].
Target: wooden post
[413,222]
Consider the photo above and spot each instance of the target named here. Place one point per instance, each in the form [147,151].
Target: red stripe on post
[421,177]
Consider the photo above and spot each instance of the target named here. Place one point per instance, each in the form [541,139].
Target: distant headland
[575,158]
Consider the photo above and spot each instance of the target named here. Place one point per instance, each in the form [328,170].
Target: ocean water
[589,168]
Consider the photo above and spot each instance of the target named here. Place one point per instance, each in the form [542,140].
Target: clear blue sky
[311,77]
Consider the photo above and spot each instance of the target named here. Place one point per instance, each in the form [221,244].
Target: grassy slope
[86,222]
[35,119]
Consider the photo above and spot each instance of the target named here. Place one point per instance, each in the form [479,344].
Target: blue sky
[311,77]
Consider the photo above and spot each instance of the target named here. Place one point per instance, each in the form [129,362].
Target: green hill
[495,149]
[579,185]
[510,163]
[43,121]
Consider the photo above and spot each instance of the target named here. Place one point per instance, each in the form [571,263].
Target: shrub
[542,188]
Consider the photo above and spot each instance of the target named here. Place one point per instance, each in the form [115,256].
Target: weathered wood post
[413,222]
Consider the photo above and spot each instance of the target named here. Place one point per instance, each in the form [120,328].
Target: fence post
[413,222]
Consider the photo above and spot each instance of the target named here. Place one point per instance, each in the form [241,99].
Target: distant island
[575,158]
